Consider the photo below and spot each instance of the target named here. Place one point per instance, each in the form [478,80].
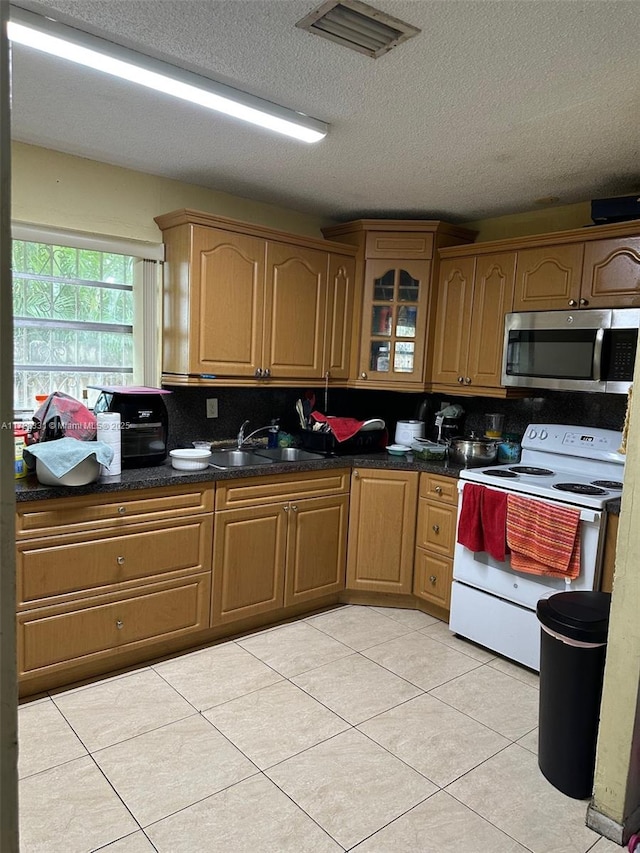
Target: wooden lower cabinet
[50,638]
[96,578]
[382,524]
[435,540]
[277,553]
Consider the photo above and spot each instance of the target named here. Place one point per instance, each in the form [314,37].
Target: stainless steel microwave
[585,350]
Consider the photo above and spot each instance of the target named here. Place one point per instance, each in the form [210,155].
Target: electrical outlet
[212,407]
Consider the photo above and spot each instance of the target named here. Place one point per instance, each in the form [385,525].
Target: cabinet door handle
[294,508]
[120,561]
[363,375]
[584,302]
[572,303]
[432,579]
[119,624]
[460,379]
[467,381]
[286,508]
[436,528]
[258,373]
[438,490]
[266,373]
[122,510]
[356,475]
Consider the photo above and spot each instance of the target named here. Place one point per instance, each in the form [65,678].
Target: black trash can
[573,644]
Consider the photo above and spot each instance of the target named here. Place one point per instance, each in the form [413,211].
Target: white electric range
[563,465]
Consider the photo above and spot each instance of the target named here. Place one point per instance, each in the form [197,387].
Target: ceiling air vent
[358,26]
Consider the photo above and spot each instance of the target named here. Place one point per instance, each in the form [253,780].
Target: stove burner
[501,473]
[579,488]
[531,470]
[607,484]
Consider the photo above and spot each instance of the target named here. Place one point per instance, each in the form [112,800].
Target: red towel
[483,520]
[470,524]
[544,538]
[494,523]
[342,428]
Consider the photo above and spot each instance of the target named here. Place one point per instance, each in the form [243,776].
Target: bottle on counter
[272,438]
[20,442]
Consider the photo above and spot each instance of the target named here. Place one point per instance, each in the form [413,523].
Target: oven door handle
[597,356]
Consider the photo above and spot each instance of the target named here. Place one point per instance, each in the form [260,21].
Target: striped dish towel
[544,539]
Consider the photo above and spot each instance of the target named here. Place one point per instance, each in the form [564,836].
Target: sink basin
[237,458]
[289,454]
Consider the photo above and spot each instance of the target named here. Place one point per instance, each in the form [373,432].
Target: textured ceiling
[493,105]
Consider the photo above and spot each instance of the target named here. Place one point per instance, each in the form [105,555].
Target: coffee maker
[449,423]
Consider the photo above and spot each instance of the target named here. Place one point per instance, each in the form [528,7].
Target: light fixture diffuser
[43,34]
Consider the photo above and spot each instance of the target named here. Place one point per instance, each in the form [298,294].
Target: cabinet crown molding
[433,225]
[186,216]
[575,235]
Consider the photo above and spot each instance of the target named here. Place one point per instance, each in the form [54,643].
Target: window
[83,315]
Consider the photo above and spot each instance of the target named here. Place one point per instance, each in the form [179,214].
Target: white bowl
[398,449]
[190,458]
[84,472]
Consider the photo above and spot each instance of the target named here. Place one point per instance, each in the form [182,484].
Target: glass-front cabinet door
[394,321]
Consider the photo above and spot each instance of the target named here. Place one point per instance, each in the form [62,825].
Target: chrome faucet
[242,438]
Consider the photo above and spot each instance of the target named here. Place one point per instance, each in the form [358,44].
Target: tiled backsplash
[188,421]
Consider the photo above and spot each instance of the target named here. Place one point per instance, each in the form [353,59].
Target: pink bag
[62,416]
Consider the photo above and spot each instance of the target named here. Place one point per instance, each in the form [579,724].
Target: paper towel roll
[110,431]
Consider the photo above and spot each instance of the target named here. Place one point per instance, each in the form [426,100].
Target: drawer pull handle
[120,561]
[432,579]
[436,528]
[122,510]
[438,490]
[119,624]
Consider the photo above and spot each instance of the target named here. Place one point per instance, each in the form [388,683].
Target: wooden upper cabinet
[338,329]
[548,277]
[394,321]
[492,299]
[227,303]
[453,320]
[295,303]
[611,273]
[246,302]
[474,294]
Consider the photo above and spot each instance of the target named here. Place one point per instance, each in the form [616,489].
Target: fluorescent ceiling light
[74,45]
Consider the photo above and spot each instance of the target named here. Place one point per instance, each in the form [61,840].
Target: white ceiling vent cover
[358,26]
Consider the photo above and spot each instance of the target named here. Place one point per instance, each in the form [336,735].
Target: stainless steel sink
[237,459]
[289,454]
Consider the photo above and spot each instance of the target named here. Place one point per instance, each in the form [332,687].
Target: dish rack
[365,441]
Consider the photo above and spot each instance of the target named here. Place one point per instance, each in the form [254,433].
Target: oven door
[483,572]
[494,605]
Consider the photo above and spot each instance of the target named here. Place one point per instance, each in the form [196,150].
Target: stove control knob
[543,434]
[532,434]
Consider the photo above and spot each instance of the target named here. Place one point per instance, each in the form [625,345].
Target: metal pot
[473,452]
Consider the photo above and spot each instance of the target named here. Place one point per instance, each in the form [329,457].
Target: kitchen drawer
[399,244]
[235,494]
[436,527]
[432,578]
[101,511]
[62,566]
[438,488]
[51,638]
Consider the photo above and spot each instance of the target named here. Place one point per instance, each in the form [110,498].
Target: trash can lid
[582,616]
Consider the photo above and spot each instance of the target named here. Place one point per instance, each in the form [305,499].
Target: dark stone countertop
[29,489]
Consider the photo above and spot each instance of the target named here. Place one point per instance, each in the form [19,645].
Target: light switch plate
[212,407]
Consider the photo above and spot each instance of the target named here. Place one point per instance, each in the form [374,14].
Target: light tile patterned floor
[364,728]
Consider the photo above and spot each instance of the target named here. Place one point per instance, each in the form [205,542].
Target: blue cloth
[63,454]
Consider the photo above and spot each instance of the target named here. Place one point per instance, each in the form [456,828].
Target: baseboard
[619,833]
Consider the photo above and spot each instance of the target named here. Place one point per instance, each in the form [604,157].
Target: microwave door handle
[597,355]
